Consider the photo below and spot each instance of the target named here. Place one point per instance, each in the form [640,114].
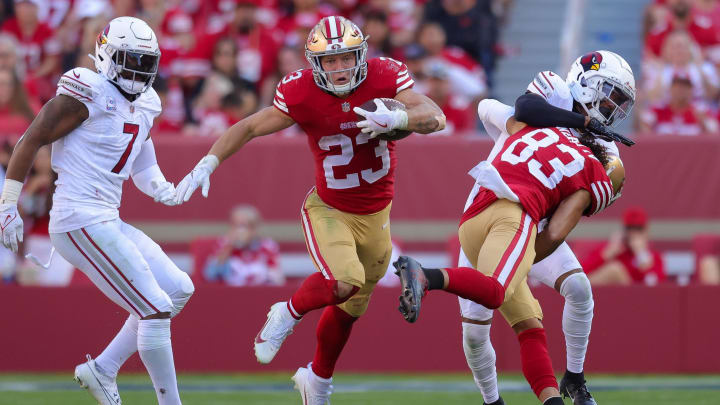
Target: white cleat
[101,387]
[277,328]
[314,390]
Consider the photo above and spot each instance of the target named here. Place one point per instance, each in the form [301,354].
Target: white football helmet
[602,82]
[127,54]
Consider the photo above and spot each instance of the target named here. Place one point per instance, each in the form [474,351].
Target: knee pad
[166,305]
[475,337]
[185,290]
[576,288]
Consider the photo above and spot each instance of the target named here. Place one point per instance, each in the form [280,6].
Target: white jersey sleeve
[553,89]
[83,85]
[494,115]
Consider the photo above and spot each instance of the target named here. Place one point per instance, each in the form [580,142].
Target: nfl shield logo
[346,106]
[110,104]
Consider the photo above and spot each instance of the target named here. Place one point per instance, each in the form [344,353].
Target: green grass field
[375,389]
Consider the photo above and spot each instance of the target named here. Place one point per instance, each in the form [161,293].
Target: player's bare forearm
[563,221]
[57,118]
[264,122]
[424,116]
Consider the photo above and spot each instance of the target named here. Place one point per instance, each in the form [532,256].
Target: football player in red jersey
[535,174]
[345,217]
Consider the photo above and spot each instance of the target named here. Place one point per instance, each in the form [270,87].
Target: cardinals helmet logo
[102,38]
[591,61]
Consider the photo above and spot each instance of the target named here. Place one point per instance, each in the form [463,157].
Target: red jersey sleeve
[600,188]
[291,91]
[392,74]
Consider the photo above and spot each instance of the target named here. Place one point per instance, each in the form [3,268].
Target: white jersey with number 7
[94,160]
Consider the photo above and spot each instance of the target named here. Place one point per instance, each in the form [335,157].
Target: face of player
[341,64]
[137,66]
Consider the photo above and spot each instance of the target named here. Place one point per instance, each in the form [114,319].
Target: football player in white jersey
[598,92]
[98,124]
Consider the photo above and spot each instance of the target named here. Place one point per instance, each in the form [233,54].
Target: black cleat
[573,386]
[498,402]
[414,285]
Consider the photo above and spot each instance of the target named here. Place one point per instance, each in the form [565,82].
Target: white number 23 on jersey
[346,147]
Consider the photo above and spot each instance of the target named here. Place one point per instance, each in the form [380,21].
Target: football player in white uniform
[598,92]
[98,124]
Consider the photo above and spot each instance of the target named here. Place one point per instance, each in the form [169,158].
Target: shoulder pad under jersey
[80,83]
[552,88]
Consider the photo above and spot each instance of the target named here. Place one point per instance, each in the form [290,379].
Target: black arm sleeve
[535,111]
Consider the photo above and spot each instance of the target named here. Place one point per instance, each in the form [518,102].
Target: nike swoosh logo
[258,338]
[386,225]
[77,76]
[379,124]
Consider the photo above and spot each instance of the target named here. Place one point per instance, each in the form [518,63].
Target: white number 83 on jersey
[533,145]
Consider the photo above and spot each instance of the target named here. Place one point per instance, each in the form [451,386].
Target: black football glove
[602,131]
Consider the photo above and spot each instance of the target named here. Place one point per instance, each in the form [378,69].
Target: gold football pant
[348,247]
[500,242]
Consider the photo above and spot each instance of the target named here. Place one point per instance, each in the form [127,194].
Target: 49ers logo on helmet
[591,61]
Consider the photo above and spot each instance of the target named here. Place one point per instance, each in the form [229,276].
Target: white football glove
[164,192]
[381,120]
[199,176]
[11,225]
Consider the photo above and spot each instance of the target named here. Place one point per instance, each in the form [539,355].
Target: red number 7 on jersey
[128,128]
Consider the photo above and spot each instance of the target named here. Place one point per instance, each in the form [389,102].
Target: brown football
[391,104]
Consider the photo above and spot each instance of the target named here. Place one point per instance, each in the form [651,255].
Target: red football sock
[536,364]
[471,284]
[315,292]
[333,331]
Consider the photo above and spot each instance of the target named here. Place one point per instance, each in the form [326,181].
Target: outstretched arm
[563,221]
[263,122]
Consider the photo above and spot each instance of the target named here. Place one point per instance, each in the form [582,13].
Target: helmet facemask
[339,36]
[323,78]
[135,70]
[611,103]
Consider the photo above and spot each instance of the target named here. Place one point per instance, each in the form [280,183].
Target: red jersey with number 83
[539,168]
[353,173]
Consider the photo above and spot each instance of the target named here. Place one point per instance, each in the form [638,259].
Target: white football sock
[480,357]
[120,348]
[577,319]
[155,350]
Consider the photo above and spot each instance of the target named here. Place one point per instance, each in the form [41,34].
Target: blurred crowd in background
[679,84]
[221,60]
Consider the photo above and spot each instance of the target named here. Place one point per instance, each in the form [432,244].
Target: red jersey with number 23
[353,173]
[539,168]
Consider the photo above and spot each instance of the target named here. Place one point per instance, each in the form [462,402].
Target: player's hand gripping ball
[381,117]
